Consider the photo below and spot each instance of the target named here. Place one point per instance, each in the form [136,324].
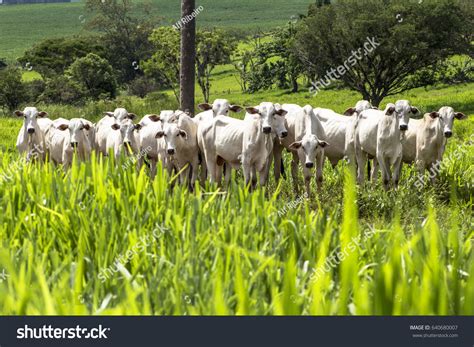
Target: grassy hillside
[21,26]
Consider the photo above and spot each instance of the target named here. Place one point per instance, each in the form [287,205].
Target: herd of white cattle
[213,143]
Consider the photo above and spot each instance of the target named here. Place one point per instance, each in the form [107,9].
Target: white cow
[431,137]
[380,134]
[309,144]
[237,142]
[31,138]
[150,147]
[446,121]
[180,136]
[220,107]
[103,127]
[123,138]
[63,144]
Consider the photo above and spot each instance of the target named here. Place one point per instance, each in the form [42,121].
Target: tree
[53,56]
[94,76]
[12,90]
[163,65]
[213,48]
[405,36]
[188,56]
[125,28]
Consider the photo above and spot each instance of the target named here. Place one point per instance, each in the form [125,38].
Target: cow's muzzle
[403,127]
[284,134]
[31,130]
[448,134]
[267,130]
[74,144]
[171,151]
[309,165]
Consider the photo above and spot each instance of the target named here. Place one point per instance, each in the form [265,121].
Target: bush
[94,76]
[12,89]
[61,90]
[33,90]
[141,86]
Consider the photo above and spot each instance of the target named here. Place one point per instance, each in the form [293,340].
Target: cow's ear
[235,108]
[63,127]
[19,113]
[183,134]
[414,110]
[434,115]
[137,127]
[281,112]
[460,115]
[42,114]
[87,127]
[295,145]
[115,126]
[205,107]
[110,114]
[252,110]
[390,111]
[350,111]
[154,117]
[159,134]
[323,144]
[131,116]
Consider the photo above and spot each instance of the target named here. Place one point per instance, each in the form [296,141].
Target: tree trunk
[188,56]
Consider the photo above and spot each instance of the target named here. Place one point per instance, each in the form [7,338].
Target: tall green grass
[212,252]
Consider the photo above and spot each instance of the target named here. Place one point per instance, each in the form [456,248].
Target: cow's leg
[384,167]
[247,168]
[319,170]
[307,180]
[194,172]
[264,172]
[277,149]
[361,158]
[153,168]
[396,171]
[375,171]
[254,177]
[212,168]
[219,172]
[228,175]
[294,171]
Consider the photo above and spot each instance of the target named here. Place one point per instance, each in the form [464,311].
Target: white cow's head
[127,133]
[220,107]
[404,110]
[272,118]
[172,135]
[361,105]
[120,114]
[76,129]
[447,115]
[309,147]
[30,115]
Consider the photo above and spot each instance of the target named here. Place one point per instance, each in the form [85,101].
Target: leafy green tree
[125,27]
[213,48]
[12,90]
[409,36]
[53,56]
[94,76]
[163,65]
[61,89]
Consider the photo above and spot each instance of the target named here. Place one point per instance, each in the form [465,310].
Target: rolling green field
[21,26]
[230,251]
